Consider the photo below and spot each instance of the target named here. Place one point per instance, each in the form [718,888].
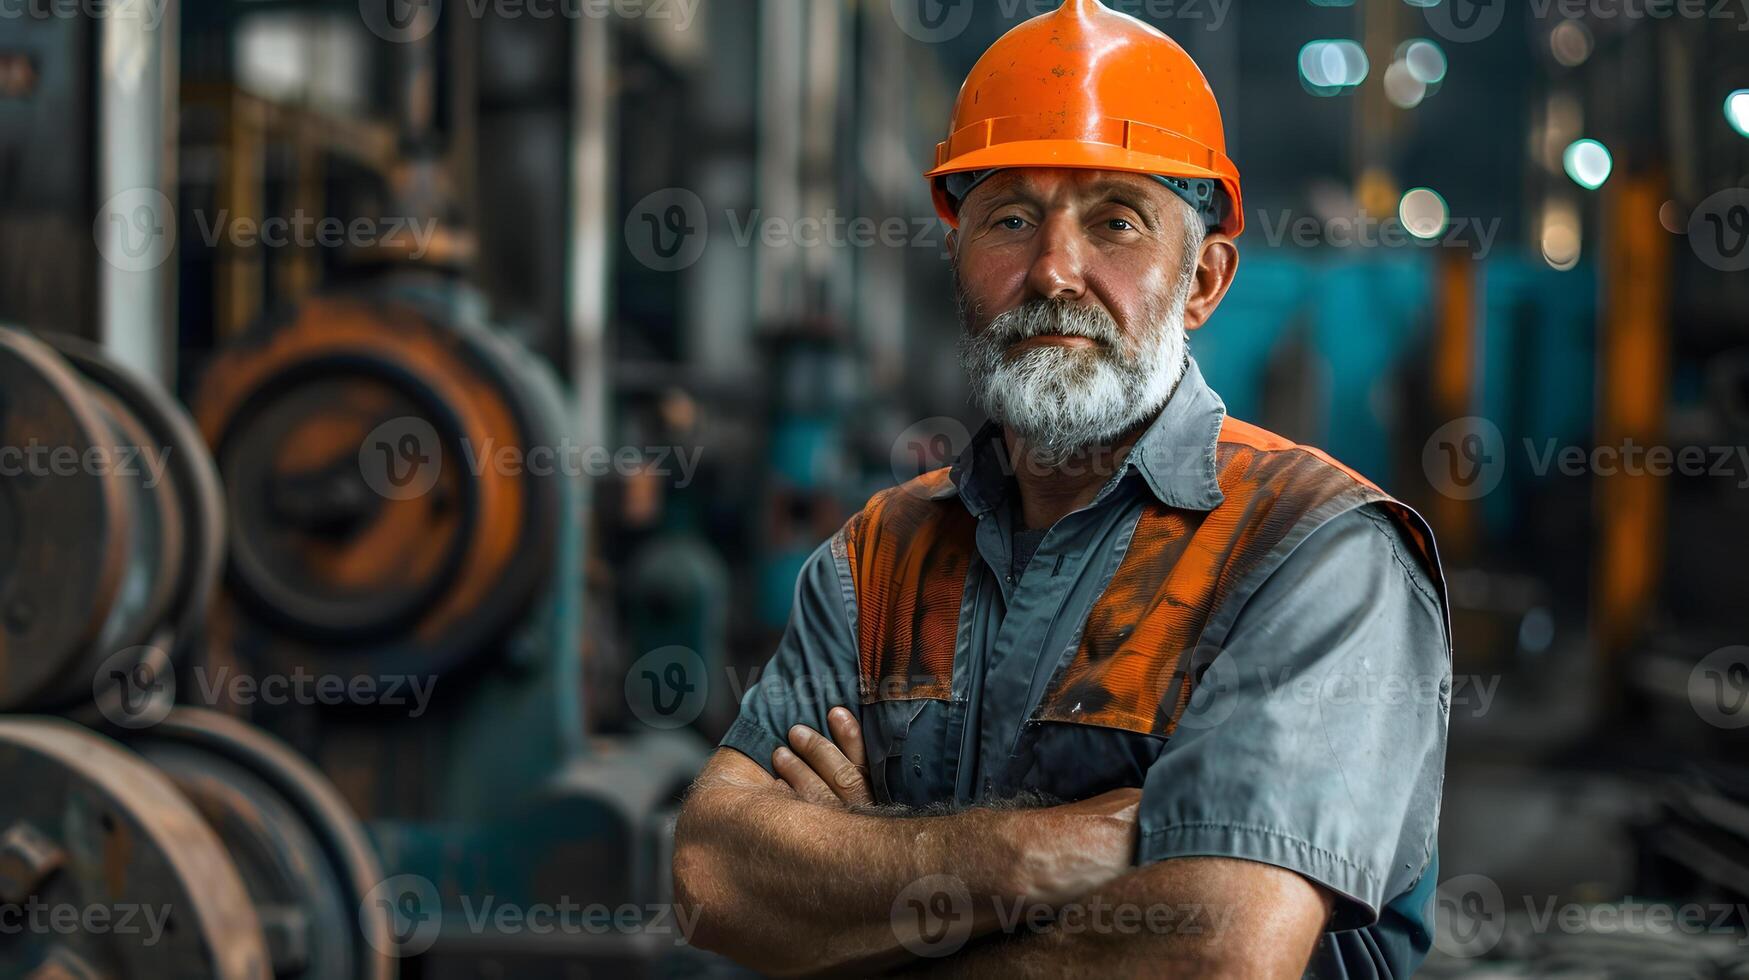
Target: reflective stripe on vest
[911,548]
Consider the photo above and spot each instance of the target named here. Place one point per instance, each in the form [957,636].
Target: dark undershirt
[1025,541]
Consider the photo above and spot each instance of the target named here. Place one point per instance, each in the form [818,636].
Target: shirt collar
[1175,456]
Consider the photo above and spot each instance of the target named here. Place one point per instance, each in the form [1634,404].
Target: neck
[1047,494]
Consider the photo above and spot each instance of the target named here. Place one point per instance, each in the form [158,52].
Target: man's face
[1072,288]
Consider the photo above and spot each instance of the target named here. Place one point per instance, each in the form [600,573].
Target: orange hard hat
[1088,87]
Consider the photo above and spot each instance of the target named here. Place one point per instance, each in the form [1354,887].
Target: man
[1135,688]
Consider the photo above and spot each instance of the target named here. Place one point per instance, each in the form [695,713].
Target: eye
[1120,224]
[1013,222]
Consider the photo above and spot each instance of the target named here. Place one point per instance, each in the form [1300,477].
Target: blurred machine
[406,522]
[208,848]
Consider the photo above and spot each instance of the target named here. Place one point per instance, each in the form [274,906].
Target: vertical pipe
[591,191]
[1456,336]
[136,112]
[1632,388]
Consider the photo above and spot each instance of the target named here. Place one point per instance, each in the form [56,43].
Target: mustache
[1044,317]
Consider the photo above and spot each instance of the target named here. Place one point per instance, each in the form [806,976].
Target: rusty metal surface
[120,876]
[192,479]
[358,575]
[303,856]
[64,522]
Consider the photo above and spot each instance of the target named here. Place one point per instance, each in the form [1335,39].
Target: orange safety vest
[911,548]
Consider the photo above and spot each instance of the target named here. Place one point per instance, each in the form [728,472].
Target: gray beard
[1062,401]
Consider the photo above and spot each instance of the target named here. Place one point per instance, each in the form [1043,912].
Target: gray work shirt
[1315,741]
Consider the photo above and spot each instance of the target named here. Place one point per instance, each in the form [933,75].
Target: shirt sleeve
[1315,741]
[815,667]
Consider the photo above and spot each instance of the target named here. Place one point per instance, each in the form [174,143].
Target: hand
[828,771]
[1090,843]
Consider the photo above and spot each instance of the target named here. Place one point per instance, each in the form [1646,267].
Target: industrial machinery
[406,512]
[180,842]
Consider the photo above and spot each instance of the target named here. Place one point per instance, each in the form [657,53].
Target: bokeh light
[1424,213]
[1588,162]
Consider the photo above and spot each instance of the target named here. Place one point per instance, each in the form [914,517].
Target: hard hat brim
[1079,155]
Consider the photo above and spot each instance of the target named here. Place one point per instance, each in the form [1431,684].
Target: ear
[953,241]
[1215,269]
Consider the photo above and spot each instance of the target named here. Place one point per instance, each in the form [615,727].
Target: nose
[1057,266]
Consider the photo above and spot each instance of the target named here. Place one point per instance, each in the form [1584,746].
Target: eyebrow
[1014,188]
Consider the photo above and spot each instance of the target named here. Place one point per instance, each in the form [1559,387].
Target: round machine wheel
[65,523]
[107,870]
[303,856]
[372,525]
[190,481]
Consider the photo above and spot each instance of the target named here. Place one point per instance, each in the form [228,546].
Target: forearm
[791,886]
[1196,917]
[788,885]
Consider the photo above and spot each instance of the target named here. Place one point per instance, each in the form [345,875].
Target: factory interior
[661,284]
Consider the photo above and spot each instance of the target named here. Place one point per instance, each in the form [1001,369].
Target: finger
[847,780]
[848,736]
[807,784]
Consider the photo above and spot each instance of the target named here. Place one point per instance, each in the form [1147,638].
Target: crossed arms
[800,874]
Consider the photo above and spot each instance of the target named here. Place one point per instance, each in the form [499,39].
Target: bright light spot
[1328,67]
[1737,110]
[1402,87]
[1588,163]
[1424,213]
[1560,235]
[1570,42]
[1422,3]
[1425,59]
